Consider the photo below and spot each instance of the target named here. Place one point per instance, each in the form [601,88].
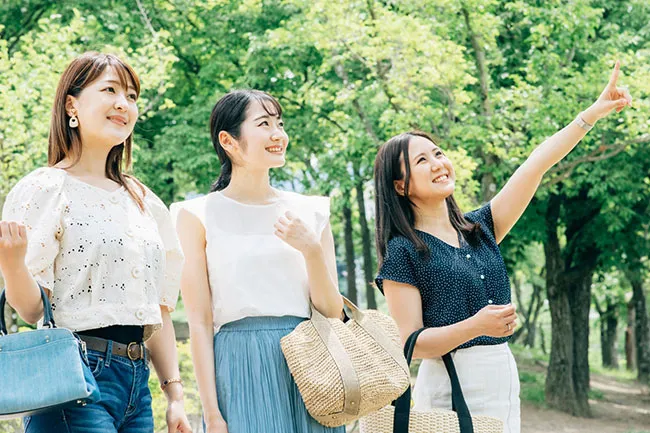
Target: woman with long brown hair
[103,248]
[442,269]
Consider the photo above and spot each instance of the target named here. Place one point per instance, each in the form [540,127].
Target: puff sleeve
[37,201]
[168,292]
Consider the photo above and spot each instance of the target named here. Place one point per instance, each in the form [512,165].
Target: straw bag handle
[351,384]
[48,320]
[403,403]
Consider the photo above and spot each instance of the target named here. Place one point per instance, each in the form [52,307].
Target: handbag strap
[48,320]
[351,384]
[377,333]
[458,403]
[403,403]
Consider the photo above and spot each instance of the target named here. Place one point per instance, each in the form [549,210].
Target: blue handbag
[43,369]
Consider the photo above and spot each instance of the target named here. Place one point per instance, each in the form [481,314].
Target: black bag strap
[48,320]
[403,403]
[458,403]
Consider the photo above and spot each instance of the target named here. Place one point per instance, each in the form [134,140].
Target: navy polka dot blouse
[455,283]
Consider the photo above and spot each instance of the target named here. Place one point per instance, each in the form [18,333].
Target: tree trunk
[559,389]
[608,328]
[531,324]
[641,326]
[630,345]
[580,303]
[567,381]
[527,314]
[368,263]
[351,277]
[542,339]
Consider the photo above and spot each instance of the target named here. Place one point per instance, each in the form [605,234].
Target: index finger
[615,73]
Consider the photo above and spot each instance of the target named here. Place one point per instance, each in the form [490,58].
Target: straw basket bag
[346,370]
[401,419]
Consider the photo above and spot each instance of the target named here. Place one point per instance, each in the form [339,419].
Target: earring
[74,122]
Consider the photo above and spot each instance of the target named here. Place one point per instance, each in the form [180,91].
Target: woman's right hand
[13,245]
[216,426]
[496,320]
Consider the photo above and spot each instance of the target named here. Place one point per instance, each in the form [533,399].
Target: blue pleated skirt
[255,390]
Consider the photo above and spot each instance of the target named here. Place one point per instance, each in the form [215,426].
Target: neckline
[255,205]
[76,179]
[460,239]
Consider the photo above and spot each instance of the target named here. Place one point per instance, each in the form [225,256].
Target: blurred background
[490,79]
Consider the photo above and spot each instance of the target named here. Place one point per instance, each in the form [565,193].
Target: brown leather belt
[134,350]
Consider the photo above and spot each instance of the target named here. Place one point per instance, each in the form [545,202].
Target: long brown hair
[65,142]
[394,215]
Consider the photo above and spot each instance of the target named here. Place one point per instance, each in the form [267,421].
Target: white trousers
[488,377]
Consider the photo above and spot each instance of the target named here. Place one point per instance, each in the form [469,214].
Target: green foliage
[532,388]
[352,74]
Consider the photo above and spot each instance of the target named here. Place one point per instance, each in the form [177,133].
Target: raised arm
[511,202]
[22,293]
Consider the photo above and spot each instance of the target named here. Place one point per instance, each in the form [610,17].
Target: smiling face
[262,142]
[432,175]
[106,109]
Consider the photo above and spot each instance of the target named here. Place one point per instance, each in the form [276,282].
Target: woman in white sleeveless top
[255,257]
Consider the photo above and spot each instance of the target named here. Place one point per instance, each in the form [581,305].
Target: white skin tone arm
[164,357]
[198,305]
[508,205]
[511,202]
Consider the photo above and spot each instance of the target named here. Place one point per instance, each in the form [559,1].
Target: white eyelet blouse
[251,271]
[103,259]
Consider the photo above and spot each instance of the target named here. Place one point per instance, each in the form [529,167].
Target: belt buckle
[128,351]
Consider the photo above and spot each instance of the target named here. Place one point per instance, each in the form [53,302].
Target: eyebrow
[435,149]
[119,84]
[265,116]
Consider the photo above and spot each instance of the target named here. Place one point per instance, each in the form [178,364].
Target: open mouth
[441,179]
[275,149]
[118,120]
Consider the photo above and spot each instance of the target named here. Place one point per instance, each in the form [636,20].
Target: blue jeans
[125,405]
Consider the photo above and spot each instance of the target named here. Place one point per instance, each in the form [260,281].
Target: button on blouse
[454,283]
[104,260]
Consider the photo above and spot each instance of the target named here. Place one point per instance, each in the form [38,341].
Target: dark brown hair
[227,115]
[394,215]
[65,142]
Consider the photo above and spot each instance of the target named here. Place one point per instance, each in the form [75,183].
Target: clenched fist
[13,245]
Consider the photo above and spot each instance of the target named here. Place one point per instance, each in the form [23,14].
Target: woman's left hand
[612,98]
[296,233]
[176,419]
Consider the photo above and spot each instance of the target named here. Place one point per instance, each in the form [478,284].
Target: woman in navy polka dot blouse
[442,269]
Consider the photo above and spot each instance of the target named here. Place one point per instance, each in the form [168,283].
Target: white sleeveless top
[251,271]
